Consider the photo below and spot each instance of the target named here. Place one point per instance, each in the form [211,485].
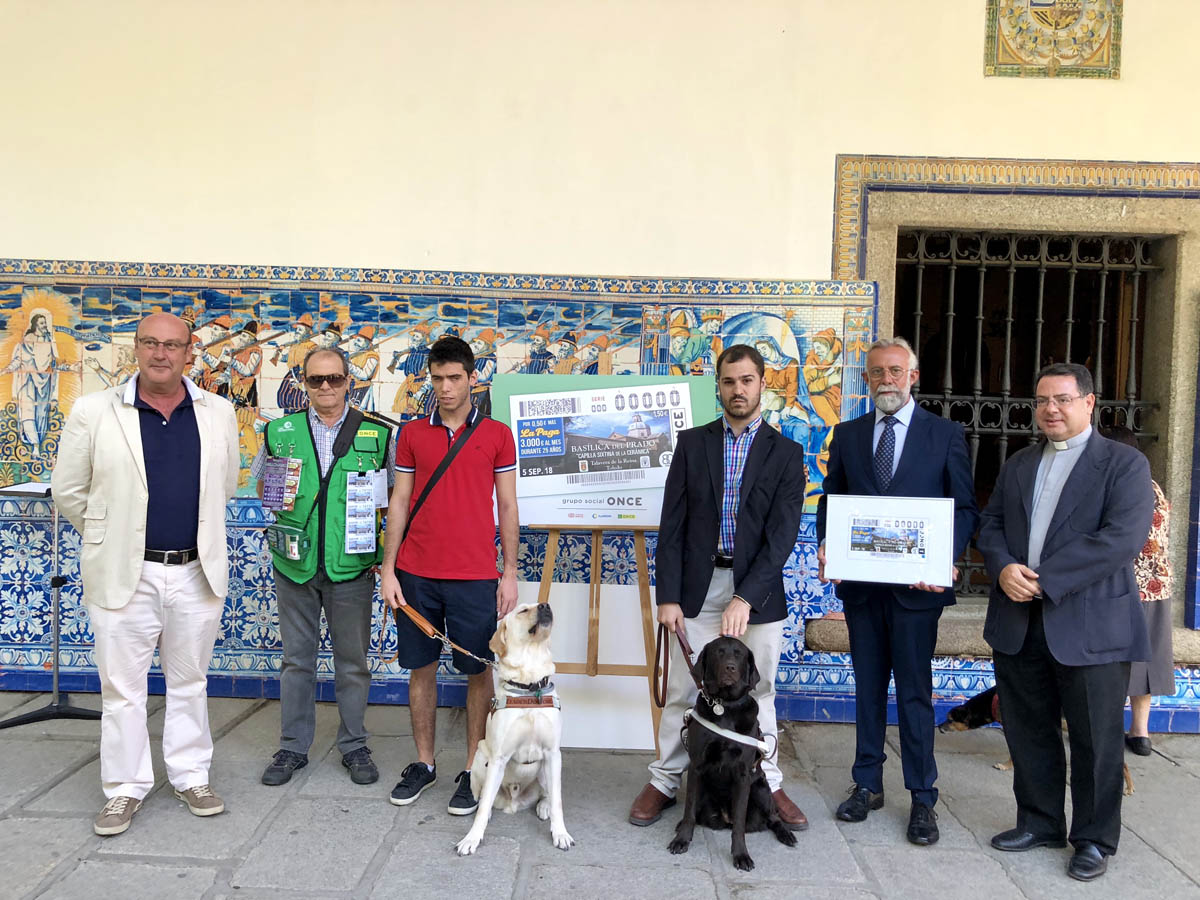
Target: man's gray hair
[332,351]
[886,343]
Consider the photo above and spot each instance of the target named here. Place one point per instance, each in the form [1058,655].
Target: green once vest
[291,436]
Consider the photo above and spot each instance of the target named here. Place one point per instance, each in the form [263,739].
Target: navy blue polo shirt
[171,452]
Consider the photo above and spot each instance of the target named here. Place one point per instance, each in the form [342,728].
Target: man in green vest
[325,473]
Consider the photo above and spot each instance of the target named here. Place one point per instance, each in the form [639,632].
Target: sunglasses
[334,381]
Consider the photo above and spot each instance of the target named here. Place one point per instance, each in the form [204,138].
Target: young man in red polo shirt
[446,566]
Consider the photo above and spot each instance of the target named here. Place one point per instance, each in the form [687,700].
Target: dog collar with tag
[531,688]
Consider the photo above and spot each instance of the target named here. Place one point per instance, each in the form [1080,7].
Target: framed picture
[890,540]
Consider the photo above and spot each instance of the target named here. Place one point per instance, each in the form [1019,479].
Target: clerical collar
[1077,441]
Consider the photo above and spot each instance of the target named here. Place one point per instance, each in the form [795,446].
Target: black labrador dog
[725,785]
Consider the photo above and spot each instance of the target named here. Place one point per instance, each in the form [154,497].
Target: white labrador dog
[518,763]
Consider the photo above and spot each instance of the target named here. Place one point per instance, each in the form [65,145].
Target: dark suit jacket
[1091,609]
[933,463]
[768,520]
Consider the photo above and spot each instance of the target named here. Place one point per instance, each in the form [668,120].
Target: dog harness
[542,696]
[726,733]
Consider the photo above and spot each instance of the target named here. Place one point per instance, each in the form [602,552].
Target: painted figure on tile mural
[241,362]
[779,399]
[297,342]
[299,339]
[364,366]
[566,362]
[124,365]
[823,375]
[709,342]
[483,345]
[539,359]
[687,341]
[34,367]
[206,365]
[238,367]
[189,316]
[596,357]
[329,336]
[413,363]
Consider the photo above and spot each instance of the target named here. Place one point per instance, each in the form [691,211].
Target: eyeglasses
[1062,401]
[334,381]
[152,344]
[875,373]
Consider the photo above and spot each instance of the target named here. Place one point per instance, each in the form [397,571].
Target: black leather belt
[723,562]
[172,557]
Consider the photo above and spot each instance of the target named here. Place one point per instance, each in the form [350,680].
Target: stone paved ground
[323,837]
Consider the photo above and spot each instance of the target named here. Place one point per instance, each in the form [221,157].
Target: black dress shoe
[860,802]
[1137,745]
[1017,841]
[1088,862]
[922,825]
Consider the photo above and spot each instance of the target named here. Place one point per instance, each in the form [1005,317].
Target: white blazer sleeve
[71,480]
[233,462]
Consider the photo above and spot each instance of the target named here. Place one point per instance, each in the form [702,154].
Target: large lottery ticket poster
[594,451]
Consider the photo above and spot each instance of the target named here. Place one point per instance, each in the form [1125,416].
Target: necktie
[885,452]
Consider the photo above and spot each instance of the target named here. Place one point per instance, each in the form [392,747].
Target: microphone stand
[59,706]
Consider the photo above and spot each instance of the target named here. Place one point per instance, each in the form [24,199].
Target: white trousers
[175,610]
[764,641]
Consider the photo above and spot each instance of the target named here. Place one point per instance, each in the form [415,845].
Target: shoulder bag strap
[438,473]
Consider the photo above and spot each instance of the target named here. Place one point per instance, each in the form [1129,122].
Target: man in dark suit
[730,518]
[898,450]
[1067,518]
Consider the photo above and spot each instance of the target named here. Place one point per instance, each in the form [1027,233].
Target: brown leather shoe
[792,817]
[649,805]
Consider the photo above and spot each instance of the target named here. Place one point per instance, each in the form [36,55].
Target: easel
[59,706]
[593,666]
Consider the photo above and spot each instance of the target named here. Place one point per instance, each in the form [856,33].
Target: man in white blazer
[144,471]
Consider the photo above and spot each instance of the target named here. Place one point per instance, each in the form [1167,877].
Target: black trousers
[889,640]
[1036,693]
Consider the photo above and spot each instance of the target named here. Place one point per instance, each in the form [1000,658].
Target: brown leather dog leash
[428,630]
[662,660]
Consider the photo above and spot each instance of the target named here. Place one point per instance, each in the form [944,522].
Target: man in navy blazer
[730,518]
[1067,518]
[897,450]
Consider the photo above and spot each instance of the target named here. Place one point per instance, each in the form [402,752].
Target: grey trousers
[348,609]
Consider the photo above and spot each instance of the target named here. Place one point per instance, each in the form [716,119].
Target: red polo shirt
[454,534]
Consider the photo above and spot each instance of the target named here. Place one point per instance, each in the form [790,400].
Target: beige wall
[625,137]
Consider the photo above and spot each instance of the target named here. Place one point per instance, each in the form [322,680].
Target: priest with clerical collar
[1059,536]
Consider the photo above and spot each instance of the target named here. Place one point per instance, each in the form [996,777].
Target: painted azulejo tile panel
[67,328]
[1053,38]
